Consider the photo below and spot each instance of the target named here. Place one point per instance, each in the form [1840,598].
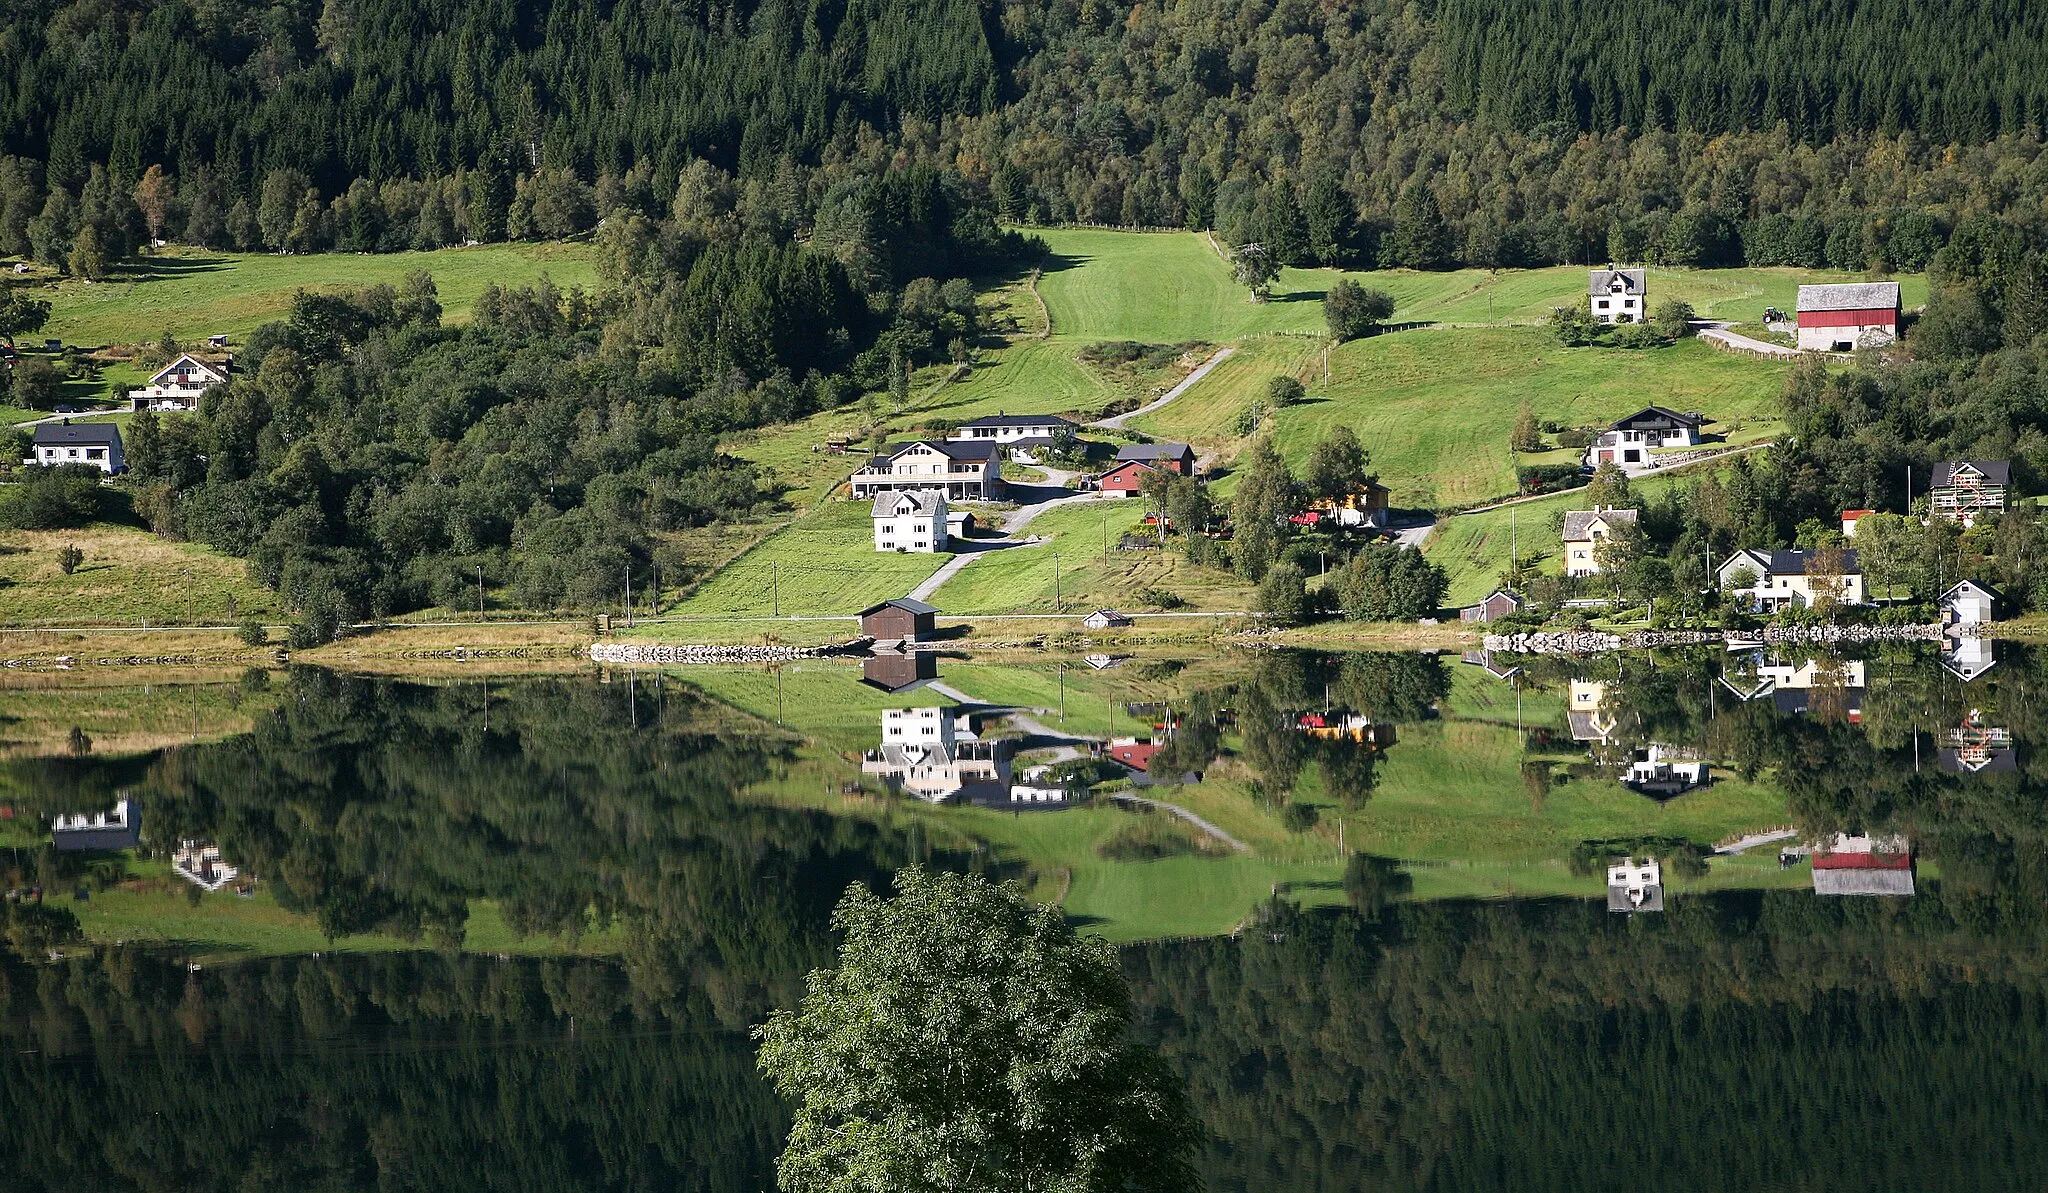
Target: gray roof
[1850,296]
[1146,452]
[907,604]
[1601,281]
[1862,882]
[927,501]
[1653,898]
[68,432]
[1661,415]
[1016,420]
[1998,472]
[1577,522]
[1794,563]
[952,449]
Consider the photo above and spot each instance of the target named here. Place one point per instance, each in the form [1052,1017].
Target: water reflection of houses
[1664,772]
[1802,687]
[1634,886]
[1975,748]
[1484,660]
[1346,726]
[899,671]
[936,754]
[200,863]
[119,827]
[1590,719]
[1968,658]
[1863,865]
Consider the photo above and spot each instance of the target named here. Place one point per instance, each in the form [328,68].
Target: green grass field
[194,294]
[1434,406]
[825,563]
[1474,549]
[129,576]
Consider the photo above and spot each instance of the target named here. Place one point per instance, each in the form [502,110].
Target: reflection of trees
[391,807]
[371,1072]
[1318,1048]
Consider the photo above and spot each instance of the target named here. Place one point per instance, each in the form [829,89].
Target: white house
[1663,773]
[96,444]
[910,520]
[1620,295]
[1023,435]
[178,385]
[1584,531]
[963,471]
[1788,579]
[1967,603]
[1635,885]
[1630,439]
[1106,619]
[117,828]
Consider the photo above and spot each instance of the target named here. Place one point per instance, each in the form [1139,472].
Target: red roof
[1862,861]
[1136,755]
[1856,515]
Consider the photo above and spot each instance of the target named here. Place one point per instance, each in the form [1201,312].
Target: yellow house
[1584,531]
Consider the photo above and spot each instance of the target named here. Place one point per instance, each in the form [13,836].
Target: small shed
[959,524]
[1106,619]
[1968,603]
[899,620]
[1502,603]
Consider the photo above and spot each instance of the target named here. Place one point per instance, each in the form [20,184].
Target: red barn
[1124,479]
[1846,317]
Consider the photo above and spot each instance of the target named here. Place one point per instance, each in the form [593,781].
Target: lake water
[360,933]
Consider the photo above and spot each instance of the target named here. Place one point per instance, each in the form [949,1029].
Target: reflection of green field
[194,294]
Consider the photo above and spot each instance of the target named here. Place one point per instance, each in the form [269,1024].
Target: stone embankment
[635,652]
[1595,641]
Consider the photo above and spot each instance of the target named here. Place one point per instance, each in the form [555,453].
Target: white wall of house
[1839,339]
[911,532]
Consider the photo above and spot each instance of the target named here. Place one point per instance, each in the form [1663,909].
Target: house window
[1603,304]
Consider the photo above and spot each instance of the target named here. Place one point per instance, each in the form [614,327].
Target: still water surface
[657,860]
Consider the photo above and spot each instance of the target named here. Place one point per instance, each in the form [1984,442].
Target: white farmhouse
[94,444]
[910,520]
[179,385]
[1791,579]
[1620,295]
[1584,531]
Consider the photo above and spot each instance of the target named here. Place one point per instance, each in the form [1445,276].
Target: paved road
[1013,521]
[1718,330]
[1124,797]
[1116,422]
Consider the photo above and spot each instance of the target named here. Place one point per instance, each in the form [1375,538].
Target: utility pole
[1055,581]
[778,587]
[479,592]
[629,596]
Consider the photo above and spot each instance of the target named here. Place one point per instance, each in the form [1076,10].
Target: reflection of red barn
[1136,755]
[1863,866]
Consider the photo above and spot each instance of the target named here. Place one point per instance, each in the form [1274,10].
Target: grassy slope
[1434,406]
[827,563]
[129,576]
[1474,548]
[195,294]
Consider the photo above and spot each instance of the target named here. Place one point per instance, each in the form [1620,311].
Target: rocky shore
[1595,641]
[634,652]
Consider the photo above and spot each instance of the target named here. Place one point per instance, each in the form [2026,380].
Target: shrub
[69,558]
[1637,336]
[1284,595]
[1353,311]
[53,499]
[1299,818]
[252,633]
[1284,391]
[1159,598]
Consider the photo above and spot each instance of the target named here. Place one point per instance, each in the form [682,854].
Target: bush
[1578,437]
[53,499]
[1299,818]
[1159,598]
[1635,336]
[252,633]
[1389,583]
[1353,311]
[1284,391]
[1548,478]
[1284,595]
[69,558]
[1674,318]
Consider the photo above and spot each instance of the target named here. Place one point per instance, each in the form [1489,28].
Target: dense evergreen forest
[1686,131]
